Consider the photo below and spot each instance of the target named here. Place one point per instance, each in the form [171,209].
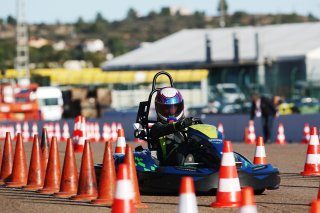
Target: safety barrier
[234,125]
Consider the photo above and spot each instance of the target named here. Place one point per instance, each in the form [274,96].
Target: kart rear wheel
[259,191]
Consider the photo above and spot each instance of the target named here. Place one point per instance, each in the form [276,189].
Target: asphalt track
[294,194]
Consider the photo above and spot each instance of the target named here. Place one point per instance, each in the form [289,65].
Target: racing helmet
[169,105]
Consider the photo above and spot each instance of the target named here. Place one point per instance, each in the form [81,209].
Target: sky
[68,11]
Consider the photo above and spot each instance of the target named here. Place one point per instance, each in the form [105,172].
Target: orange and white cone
[306,134]
[79,135]
[25,132]
[228,192]
[220,128]
[260,154]
[281,138]
[312,164]
[187,198]
[97,135]
[248,204]
[123,198]
[315,206]
[106,132]
[34,129]
[251,137]
[18,129]
[113,132]
[57,131]
[121,143]
[65,132]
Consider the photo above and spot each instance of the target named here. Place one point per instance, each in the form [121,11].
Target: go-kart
[205,144]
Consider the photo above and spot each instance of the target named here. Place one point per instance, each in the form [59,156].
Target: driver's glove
[184,123]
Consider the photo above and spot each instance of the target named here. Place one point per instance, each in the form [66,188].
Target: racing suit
[169,142]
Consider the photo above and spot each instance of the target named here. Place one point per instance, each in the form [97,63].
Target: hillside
[119,36]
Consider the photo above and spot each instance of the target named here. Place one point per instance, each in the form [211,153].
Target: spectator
[263,107]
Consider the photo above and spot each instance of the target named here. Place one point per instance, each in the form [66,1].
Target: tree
[165,11]
[11,20]
[100,18]
[152,14]
[116,46]
[225,5]
[132,14]
[80,25]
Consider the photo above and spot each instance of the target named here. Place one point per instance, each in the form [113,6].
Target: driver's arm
[159,130]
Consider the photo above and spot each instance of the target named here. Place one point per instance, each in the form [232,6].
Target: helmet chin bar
[171,118]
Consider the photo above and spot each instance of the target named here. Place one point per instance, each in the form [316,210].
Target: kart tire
[259,191]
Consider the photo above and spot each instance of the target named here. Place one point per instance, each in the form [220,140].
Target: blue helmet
[169,104]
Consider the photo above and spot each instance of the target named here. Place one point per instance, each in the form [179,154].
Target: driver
[166,135]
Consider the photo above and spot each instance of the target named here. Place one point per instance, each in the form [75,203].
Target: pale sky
[50,11]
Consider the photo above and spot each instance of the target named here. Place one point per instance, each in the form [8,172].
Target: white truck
[50,102]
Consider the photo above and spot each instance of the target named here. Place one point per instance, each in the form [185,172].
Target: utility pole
[222,22]
[22,57]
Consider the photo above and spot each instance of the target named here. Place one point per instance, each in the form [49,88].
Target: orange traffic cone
[114,132]
[129,160]
[281,138]
[69,178]
[306,134]
[312,164]
[121,143]
[53,173]
[106,132]
[97,135]
[87,188]
[0,157]
[107,181]
[318,197]
[57,132]
[34,129]
[228,192]
[7,160]
[79,133]
[315,206]
[123,198]
[245,135]
[220,128]
[260,154]
[35,180]
[19,170]
[25,132]
[65,132]
[248,204]
[44,145]
[251,137]
[187,197]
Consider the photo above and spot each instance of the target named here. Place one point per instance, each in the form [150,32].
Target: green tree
[224,3]
[165,11]
[100,18]
[132,14]
[152,14]
[116,46]
[11,20]
[95,58]
[80,25]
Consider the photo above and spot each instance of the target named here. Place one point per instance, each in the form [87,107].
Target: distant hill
[122,36]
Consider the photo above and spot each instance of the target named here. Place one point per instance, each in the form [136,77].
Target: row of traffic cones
[93,131]
[250,135]
[82,188]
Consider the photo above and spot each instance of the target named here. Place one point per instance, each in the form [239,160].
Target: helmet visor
[167,110]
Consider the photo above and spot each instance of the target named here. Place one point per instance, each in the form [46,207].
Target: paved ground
[294,195]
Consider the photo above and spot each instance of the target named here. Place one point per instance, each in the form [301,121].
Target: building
[274,56]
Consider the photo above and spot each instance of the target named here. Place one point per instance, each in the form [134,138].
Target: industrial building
[276,57]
